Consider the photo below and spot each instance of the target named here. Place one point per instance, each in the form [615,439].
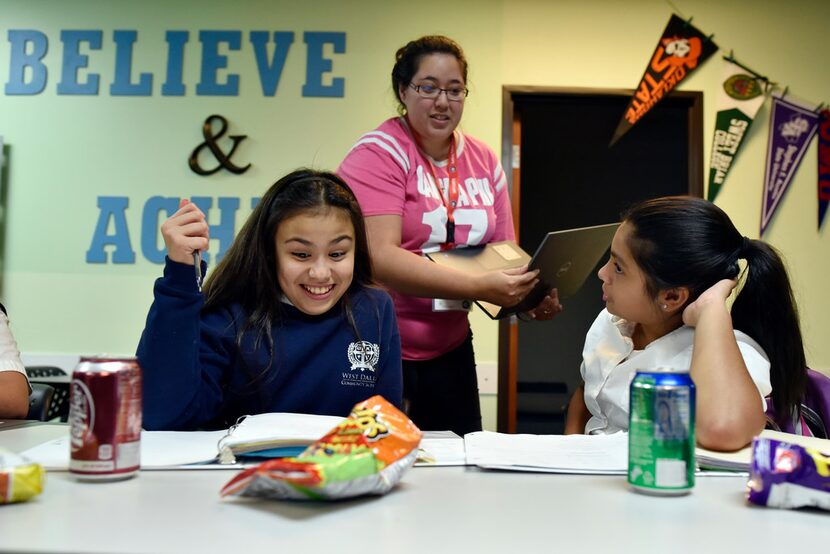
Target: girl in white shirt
[14,385]
[673,264]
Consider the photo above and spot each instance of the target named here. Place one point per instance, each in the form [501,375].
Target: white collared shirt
[609,363]
[9,354]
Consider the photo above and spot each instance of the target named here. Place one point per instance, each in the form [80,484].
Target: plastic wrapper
[20,479]
[367,453]
[785,475]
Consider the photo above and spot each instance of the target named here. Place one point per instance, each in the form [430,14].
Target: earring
[665,307]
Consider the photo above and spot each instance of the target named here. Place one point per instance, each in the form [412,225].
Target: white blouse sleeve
[9,354]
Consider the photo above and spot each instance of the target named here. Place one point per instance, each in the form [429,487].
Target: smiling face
[624,283]
[315,258]
[434,119]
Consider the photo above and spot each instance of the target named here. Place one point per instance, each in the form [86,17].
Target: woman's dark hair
[683,241]
[408,59]
[247,274]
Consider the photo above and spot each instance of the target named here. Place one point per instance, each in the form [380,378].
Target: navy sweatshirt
[197,377]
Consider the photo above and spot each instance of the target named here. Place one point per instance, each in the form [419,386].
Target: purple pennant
[791,129]
[823,165]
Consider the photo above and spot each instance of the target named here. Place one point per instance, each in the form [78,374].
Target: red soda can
[105,419]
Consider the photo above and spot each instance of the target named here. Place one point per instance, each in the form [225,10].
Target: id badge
[444,305]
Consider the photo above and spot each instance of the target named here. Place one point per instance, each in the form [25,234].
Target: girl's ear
[672,300]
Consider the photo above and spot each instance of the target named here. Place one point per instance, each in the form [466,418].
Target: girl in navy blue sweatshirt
[287,322]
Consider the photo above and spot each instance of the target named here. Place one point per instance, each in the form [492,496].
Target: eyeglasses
[454,94]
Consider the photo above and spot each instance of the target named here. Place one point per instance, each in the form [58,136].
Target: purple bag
[785,475]
[814,413]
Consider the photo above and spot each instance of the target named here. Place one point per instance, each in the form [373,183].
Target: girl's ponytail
[765,309]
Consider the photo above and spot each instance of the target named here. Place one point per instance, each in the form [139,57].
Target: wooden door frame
[508,340]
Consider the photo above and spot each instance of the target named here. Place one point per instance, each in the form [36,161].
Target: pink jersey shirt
[391,176]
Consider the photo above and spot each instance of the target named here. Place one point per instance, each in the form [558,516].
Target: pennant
[823,165]
[680,50]
[739,100]
[791,128]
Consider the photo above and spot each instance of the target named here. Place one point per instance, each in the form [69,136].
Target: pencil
[197,265]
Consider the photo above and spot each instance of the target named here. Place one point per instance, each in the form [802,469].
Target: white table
[432,510]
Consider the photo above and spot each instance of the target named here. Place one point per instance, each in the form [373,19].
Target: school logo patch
[363,355]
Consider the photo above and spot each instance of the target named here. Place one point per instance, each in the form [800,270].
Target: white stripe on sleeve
[499,178]
[387,143]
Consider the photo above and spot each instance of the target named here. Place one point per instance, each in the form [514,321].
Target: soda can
[661,432]
[105,419]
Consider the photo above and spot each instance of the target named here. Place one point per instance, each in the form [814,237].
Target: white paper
[441,452]
[597,454]
[159,449]
[175,449]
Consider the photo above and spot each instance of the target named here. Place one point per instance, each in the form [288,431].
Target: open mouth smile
[318,291]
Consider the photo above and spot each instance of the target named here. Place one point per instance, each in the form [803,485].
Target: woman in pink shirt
[425,186]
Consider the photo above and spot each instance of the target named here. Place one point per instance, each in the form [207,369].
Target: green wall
[65,151]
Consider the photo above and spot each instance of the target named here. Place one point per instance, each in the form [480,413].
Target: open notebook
[595,454]
[271,435]
[742,459]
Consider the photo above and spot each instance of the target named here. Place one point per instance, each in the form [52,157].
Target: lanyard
[450,199]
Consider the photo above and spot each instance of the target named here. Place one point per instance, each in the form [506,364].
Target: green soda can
[661,432]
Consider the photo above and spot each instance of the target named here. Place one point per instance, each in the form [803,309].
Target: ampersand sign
[210,142]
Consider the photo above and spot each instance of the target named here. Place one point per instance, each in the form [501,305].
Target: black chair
[40,401]
[58,406]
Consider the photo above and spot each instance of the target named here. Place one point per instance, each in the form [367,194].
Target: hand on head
[713,298]
[185,232]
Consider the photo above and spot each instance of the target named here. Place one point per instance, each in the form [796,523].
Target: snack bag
[367,453]
[785,475]
[20,479]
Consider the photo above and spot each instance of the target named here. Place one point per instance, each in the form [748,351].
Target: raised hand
[185,232]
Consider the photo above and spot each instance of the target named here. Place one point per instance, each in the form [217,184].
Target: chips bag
[367,453]
[785,475]
[20,479]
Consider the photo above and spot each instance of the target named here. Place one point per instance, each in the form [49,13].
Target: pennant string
[730,58]
[676,10]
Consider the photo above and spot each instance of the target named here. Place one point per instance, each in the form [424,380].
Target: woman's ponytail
[765,309]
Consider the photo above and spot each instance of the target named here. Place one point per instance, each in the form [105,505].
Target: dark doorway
[565,175]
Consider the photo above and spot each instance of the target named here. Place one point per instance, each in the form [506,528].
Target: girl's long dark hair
[689,242]
[247,274]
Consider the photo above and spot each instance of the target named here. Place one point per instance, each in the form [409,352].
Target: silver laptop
[565,259]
